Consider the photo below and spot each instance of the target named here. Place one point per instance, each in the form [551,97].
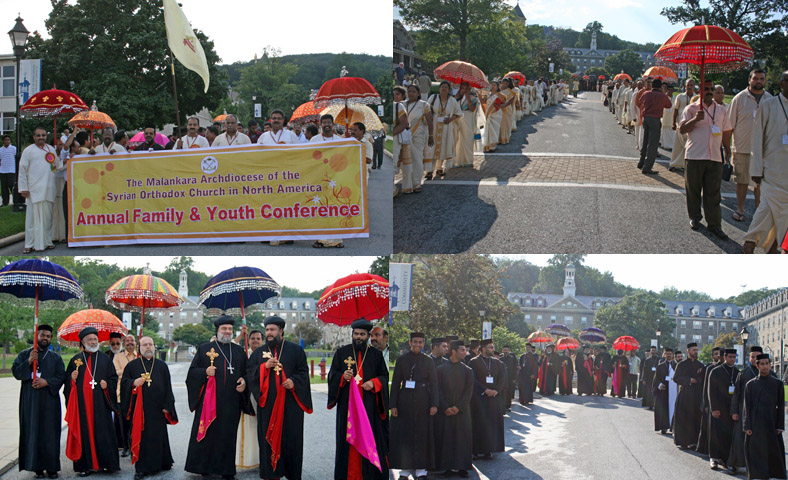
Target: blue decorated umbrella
[593,336]
[237,288]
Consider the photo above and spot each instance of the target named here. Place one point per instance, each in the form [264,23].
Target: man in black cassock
[96,382]
[565,374]
[413,403]
[487,409]
[39,406]
[721,383]
[763,420]
[549,363]
[148,381]
[115,340]
[602,365]
[279,368]
[447,354]
[703,437]
[647,370]
[661,386]
[473,351]
[364,365]
[439,349]
[748,372]
[584,366]
[215,452]
[453,424]
[689,378]
[510,361]
[619,371]
[526,375]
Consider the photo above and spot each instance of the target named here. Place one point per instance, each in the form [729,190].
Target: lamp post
[745,334]
[659,333]
[481,314]
[18,36]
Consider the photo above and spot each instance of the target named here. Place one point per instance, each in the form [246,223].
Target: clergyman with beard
[379,338]
[120,358]
[39,406]
[278,377]
[150,405]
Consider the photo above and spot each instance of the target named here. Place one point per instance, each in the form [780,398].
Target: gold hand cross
[212,355]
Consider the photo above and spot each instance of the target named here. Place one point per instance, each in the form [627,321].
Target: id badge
[440,119]
[715,130]
[668,378]
[754,113]
[490,380]
[730,389]
[410,384]
[785,139]
[653,369]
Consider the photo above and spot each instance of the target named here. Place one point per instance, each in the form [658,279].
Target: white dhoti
[247,449]
[677,159]
[38,225]
[465,133]
[770,220]
[667,137]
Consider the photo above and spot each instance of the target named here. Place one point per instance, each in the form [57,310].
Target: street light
[18,36]
[481,314]
[745,334]
[659,333]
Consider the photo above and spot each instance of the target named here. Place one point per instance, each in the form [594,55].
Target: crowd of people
[436,132]
[42,179]
[709,141]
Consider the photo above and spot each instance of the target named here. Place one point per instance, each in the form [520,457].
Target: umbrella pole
[35,334]
[243,320]
[347,121]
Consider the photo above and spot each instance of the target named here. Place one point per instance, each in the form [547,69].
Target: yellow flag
[183,42]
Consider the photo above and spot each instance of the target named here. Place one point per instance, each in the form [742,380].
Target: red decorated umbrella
[567,343]
[91,120]
[601,77]
[345,91]
[706,49]
[458,72]
[622,76]
[101,320]
[574,74]
[353,297]
[140,292]
[516,75]
[539,337]
[662,73]
[626,343]
[52,103]
[305,113]
[586,77]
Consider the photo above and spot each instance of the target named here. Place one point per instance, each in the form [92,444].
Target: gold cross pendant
[349,361]
[267,355]
[146,377]
[358,378]
[278,368]
[78,362]
[212,355]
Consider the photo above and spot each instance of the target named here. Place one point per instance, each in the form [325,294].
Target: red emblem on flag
[189,44]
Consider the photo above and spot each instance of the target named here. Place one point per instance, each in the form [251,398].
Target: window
[696,325]
[683,338]
[723,325]
[694,311]
[303,316]
[294,305]
[9,79]
[281,305]
[696,339]
[552,318]
[583,321]
[711,325]
[734,326]
[528,318]
[9,124]
[680,310]
[527,302]
[306,305]
[711,339]
[183,315]
[683,324]
[538,319]
[312,316]
[569,320]
[710,312]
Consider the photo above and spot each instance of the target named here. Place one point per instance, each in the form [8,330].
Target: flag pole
[175,93]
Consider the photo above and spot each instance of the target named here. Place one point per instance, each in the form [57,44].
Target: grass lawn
[11,222]
[389,146]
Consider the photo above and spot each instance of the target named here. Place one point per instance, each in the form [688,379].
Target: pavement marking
[570,155]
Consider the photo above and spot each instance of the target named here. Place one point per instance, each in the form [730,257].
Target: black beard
[275,341]
[359,344]
[43,346]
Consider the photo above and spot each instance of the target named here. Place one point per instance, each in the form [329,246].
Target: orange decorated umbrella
[305,113]
[91,120]
[516,75]
[346,91]
[356,113]
[52,103]
[661,72]
[102,320]
[137,293]
[567,343]
[353,297]
[601,77]
[221,118]
[586,77]
[622,76]
[539,337]
[626,343]
[458,72]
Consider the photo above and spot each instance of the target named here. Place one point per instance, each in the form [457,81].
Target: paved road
[379,241]
[566,183]
[318,440]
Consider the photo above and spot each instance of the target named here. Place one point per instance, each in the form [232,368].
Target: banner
[29,79]
[400,280]
[228,194]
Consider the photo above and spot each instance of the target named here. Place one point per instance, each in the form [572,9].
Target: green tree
[676,295]
[192,334]
[517,325]
[597,71]
[502,336]
[517,275]
[727,340]
[380,267]
[637,315]
[752,296]
[747,18]
[10,316]
[119,57]
[625,61]
[309,333]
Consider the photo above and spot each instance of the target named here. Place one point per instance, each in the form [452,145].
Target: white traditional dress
[445,139]
[224,141]
[513,109]
[680,141]
[667,128]
[282,137]
[37,175]
[466,130]
[417,119]
[247,450]
[193,142]
[112,148]
[402,159]
[492,126]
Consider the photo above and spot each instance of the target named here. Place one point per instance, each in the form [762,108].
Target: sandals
[417,189]
[739,217]
[428,176]
[28,251]
[319,244]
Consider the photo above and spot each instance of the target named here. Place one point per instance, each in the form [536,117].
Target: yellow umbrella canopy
[357,113]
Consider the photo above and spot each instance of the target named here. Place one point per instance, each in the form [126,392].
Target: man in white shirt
[7,170]
[278,135]
[326,131]
[37,186]
[192,138]
[65,135]
[358,131]
[108,144]
[682,100]
[231,136]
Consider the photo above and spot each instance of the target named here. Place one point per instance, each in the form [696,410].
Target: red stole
[74,441]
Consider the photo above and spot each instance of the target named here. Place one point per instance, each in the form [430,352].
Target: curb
[17,237]
[11,464]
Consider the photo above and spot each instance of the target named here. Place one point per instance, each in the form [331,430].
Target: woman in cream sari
[420,121]
[445,111]
[508,111]
[402,152]
[515,101]
[494,114]
[466,127]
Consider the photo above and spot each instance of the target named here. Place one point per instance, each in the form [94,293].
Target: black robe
[705,413]
[39,411]
[549,365]
[661,397]
[154,452]
[510,361]
[764,450]
[293,360]
[438,360]
[585,379]
[721,382]
[602,364]
[525,377]
[103,438]
[215,453]
[412,430]
[619,372]
[686,418]
[376,403]
[565,374]
[736,455]
[487,411]
[647,370]
[453,451]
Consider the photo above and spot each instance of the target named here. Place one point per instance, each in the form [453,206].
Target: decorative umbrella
[586,77]
[662,73]
[516,75]
[346,91]
[357,113]
[139,292]
[305,113]
[574,74]
[39,279]
[593,336]
[353,297]
[92,120]
[626,343]
[139,139]
[602,77]
[706,49]
[539,337]
[559,330]
[101,320]
[221,118]
[237,288]
[52,103]
[567,343]
[457,72]
[622,76]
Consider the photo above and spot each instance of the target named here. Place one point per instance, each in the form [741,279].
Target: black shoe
[125,453]
[733,470]
[84,474]
[447,474]
[463,473]
[662,432]
[695,224]
[39,474]
[640,166]
[650,172]
[717,232]
[139,476]
[52,475]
